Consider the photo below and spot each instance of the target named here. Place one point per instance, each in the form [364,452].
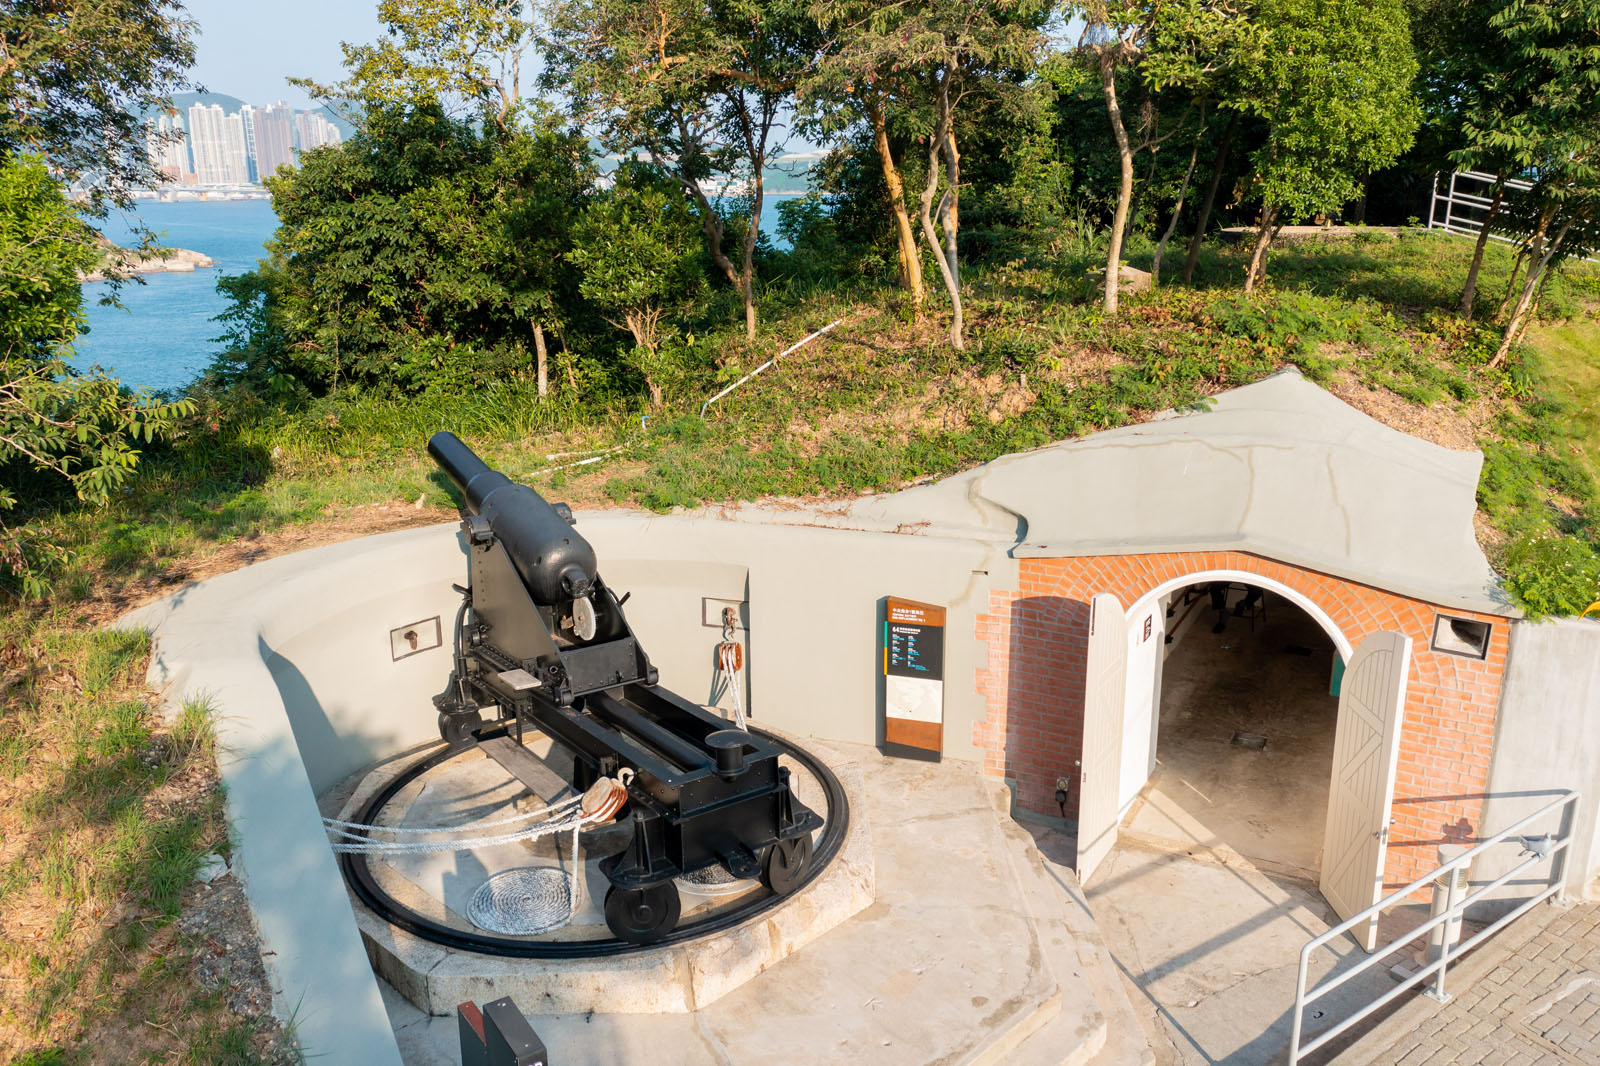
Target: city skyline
[207,146]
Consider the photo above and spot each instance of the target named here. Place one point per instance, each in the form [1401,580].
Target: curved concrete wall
[296,656]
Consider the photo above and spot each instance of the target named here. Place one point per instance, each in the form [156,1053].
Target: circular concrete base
[674,979]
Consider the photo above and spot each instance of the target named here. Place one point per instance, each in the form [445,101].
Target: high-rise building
[247,120]
[312,130]
[274,139]
[208,142]
[168,148]
[237,166]
[218,143]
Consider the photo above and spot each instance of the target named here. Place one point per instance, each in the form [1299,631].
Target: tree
[1555,45]
[700,87]
[78,75]
[465,57]
[857,82]
[418,252]
[81,427]
[451,52]
[1181,45]
[1468,95]
[75,76]
[1332,81]
[636,250]
[956,60]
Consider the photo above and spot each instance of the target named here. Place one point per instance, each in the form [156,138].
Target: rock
[1132,280]
[214,867]
[176,261]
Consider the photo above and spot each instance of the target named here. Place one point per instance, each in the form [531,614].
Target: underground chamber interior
[1231,724]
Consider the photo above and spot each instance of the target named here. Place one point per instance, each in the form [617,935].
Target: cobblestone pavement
[1529,997]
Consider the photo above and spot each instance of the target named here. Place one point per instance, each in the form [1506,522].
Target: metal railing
[1465,212]
[1551,849]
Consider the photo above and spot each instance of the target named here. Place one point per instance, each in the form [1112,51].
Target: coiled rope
[519,902]
[596,806]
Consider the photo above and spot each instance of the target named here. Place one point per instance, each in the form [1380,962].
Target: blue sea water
[162,336]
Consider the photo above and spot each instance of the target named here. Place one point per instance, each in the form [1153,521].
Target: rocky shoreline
[176,261]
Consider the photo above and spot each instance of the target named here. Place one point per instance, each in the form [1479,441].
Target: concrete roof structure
[1280,468]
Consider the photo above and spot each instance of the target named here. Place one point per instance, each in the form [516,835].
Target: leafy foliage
[421,234]
[54,420]
[1332,81]
[636,248]
[77,79]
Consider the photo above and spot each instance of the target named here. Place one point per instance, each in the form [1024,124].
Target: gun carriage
[541,643]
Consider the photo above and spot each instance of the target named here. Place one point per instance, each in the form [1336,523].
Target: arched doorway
[1238,706]
[1123,724]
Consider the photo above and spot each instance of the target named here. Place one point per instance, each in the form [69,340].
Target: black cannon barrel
[555,560]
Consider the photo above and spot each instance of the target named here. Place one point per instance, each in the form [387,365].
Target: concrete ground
[977,951]
[1270,680]
[1530,995]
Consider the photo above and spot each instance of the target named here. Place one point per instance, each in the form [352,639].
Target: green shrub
[1551,575]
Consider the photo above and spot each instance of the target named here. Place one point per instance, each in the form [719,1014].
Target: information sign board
[913,674]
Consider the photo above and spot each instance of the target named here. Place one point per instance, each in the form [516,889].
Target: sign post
[913,675]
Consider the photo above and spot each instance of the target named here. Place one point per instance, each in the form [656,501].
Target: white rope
[357,836]
[726,659]
[337,825]
[363,846]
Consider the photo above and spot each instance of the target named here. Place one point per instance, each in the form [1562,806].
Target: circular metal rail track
[358,873]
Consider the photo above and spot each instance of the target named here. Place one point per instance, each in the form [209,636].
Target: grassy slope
[1571,356]
[878,404]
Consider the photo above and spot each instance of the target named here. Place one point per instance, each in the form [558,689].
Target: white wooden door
[1103,708]
[1366,749]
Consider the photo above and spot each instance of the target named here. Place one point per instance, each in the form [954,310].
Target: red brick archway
[1033,685]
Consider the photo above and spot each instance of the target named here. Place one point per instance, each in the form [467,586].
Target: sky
[248,49]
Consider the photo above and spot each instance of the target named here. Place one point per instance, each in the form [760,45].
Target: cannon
[541,643]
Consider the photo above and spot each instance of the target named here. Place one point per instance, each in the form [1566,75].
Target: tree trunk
[1526,255]
[747,279]
[1177,209]
[945,258]
[950,220]
[1470,291]
[755,132]
[910,258]
[710,221]
[1358,209]
[1209,199]
[1521,314]
[541,360]
[1119,222]
[1257,271]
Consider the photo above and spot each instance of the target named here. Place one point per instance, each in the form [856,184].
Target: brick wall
[1033,685]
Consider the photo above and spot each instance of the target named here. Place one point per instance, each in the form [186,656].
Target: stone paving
[1529,997]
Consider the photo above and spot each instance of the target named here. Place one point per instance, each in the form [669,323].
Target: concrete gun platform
[975,952]
[668,979]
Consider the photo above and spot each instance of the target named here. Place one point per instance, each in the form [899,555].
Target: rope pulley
[730,660]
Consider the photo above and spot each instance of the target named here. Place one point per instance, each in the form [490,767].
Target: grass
[108,813]
[1571,356]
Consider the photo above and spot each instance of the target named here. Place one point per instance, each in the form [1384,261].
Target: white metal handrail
[1464,225]
[1567,798]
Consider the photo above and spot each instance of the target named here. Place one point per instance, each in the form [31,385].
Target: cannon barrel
[554,560]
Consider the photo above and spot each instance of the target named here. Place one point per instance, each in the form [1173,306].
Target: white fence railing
[1464,204]
[1549,848]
